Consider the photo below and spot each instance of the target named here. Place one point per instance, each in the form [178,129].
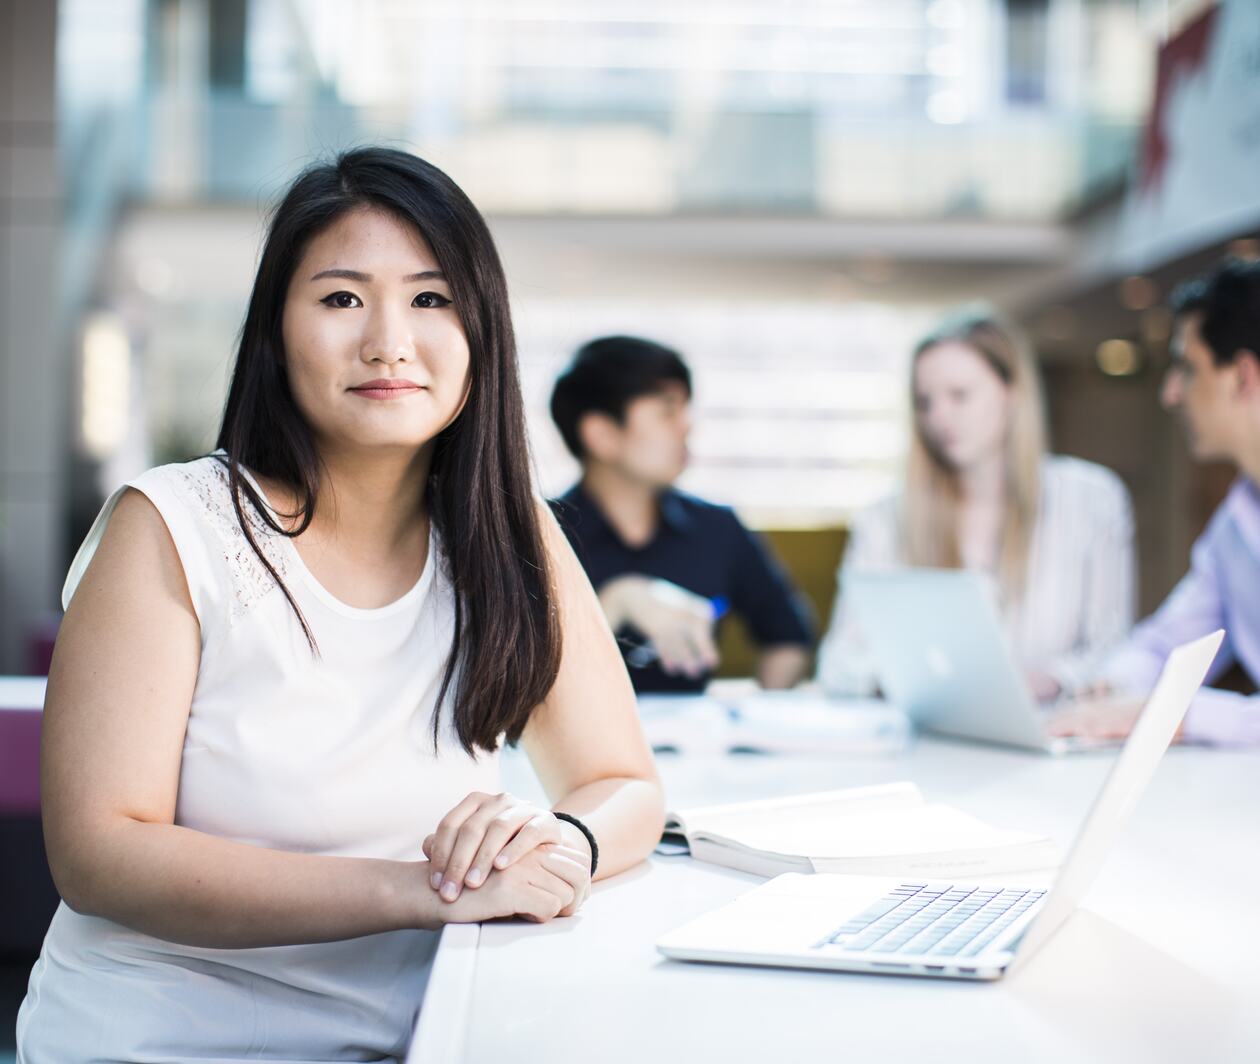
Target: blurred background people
[666,565]
[982,493]
[1213,388]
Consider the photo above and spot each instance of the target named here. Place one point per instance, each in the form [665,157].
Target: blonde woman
[982,493]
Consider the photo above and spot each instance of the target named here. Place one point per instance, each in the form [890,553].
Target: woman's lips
[386,389]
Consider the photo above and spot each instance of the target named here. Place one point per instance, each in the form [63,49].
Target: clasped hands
[494,855]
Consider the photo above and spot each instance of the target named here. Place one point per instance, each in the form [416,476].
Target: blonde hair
[933,492]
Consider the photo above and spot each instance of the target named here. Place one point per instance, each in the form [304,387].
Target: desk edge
[442,1023]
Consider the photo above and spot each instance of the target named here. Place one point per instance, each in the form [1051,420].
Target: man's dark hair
[606,375]
[1229,300]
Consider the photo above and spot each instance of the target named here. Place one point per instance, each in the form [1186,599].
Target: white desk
[1159,965]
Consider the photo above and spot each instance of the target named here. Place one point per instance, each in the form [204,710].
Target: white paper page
[922,829]
[771,812]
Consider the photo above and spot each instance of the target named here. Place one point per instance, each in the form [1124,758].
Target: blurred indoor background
[787,192]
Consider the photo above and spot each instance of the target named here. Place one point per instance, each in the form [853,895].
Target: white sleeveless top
[330,756]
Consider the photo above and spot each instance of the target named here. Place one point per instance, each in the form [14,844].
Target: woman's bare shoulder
[136,559]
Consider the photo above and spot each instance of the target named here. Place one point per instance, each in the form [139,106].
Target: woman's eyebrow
[365,278]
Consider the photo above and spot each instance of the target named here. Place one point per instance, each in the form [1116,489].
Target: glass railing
[1028,166]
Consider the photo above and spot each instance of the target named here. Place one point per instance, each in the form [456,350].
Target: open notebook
[889,830]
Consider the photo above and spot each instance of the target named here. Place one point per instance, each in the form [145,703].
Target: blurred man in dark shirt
[666,565]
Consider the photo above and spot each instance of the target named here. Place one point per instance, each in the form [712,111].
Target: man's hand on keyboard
[1098,714]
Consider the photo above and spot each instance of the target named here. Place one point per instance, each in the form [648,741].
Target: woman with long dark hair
[270,763]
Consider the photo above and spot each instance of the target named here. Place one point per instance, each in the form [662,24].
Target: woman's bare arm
[585,740]
[117,708]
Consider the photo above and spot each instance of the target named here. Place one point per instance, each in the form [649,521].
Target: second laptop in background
[943,658]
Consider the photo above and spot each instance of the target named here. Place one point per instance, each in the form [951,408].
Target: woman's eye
[430,299]
[342,300]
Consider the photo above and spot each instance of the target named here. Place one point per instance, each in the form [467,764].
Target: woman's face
[962,406]
[375,351]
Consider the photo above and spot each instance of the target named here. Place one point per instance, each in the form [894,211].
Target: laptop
[942,655]
[951,930]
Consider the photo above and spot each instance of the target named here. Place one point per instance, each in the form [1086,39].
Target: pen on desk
[641,655]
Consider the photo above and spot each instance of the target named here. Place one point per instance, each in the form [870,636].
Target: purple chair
[27,894]
[19,761]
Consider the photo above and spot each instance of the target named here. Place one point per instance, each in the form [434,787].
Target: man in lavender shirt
[1213,386]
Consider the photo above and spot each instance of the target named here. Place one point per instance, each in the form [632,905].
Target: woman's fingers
[498,819]
[1063,723]
[444,838]
[553,880]
[568,861]
[542,828]
[1096,718]
[510,835]
[541,904]
[487,833]
[574,868]
[548,876]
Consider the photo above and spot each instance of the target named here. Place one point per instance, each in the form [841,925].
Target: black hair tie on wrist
[590,838]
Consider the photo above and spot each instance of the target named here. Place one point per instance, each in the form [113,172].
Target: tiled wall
[36,386]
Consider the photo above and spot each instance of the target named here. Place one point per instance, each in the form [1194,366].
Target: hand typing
[1044,687]
[1098,713]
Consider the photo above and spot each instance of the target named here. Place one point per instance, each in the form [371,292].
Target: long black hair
[506,649]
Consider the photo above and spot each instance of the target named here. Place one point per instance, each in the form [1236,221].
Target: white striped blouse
[1078,602]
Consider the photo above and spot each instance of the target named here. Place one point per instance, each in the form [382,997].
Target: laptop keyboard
[936,921]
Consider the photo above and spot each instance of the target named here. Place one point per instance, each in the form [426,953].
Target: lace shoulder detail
[205,482]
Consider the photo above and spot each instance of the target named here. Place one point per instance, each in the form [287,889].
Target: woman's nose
[388,338]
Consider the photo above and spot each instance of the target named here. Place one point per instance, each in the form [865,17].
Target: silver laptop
[942,655]
[942,929]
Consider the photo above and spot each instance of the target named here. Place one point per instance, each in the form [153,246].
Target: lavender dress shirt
[1221,590]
